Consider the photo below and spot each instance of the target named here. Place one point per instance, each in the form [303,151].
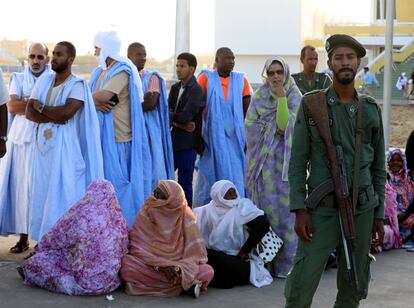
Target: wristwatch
[3,138]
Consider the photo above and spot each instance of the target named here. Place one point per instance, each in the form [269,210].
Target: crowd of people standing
[92,166]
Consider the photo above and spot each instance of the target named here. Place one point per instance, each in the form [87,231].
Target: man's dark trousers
[184,161]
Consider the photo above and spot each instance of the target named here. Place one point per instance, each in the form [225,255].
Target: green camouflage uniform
[309,155]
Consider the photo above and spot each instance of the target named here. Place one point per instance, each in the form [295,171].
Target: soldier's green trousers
[311,258]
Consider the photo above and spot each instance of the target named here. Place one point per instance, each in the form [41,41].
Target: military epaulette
[368,99]
[315,92]
[295,74]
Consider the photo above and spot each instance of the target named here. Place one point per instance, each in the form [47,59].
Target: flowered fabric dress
[268,155]
[403,185]
[392,237]
[81,254]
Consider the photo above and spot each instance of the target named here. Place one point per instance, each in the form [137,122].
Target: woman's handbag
[269,246]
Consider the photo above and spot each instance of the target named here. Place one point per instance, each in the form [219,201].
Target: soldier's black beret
[343,40]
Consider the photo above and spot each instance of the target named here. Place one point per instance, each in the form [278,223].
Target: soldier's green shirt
[319,81]
[309,164]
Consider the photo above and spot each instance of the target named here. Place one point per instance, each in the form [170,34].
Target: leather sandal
[20,247]
[20,270]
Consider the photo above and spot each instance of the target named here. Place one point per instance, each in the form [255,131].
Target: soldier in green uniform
[309,79]
[318,229]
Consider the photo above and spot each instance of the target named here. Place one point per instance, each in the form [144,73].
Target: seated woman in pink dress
[81,254]
[392,237]
[166,254]
[403,185]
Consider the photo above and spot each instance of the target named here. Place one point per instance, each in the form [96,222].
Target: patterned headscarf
[286,71]
[165,234]
[400,181]
[397,176]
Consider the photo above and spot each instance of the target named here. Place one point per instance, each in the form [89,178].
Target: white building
[256,30]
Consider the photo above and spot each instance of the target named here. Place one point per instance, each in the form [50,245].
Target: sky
[151,22]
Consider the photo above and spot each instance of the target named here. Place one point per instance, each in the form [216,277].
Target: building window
[381,10]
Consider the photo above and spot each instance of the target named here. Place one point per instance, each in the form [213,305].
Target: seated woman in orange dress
[166,253]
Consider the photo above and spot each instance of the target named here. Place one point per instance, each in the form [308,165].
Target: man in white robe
[14,168]
[67,152]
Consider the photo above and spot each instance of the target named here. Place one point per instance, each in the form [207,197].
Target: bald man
[156,115]
[228,97]
[14,168]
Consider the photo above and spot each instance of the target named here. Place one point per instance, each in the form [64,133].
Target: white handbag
[269,246]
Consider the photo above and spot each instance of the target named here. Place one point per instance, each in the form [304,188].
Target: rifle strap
[355,183]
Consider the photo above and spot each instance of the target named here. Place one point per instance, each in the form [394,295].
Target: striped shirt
[154,83]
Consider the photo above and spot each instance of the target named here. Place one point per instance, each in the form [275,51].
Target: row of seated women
[90,251]
[399,204]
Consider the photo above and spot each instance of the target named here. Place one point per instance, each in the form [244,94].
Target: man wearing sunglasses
[309,80]
[15,166]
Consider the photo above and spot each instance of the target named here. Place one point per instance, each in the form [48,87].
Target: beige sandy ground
[391,287]
[402,123]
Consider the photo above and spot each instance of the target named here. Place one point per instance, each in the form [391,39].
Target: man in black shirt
[185,101]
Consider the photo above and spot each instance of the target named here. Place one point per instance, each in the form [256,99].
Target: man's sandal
[20,247]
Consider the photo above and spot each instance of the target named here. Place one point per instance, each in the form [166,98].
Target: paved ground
[391,286]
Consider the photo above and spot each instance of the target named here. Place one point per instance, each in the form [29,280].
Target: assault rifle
[317,109]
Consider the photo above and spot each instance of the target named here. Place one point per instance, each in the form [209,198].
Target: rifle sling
[355,182]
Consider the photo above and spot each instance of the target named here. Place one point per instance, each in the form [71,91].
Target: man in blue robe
[155,108]
[227,99]
[118,96]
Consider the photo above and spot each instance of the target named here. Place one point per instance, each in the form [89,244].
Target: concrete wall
[252,65]
[257,30]
[259,27]
[405,10]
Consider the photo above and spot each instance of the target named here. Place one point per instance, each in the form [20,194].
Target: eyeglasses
[39,57]
[272,73]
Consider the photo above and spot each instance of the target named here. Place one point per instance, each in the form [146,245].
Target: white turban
[110,46]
